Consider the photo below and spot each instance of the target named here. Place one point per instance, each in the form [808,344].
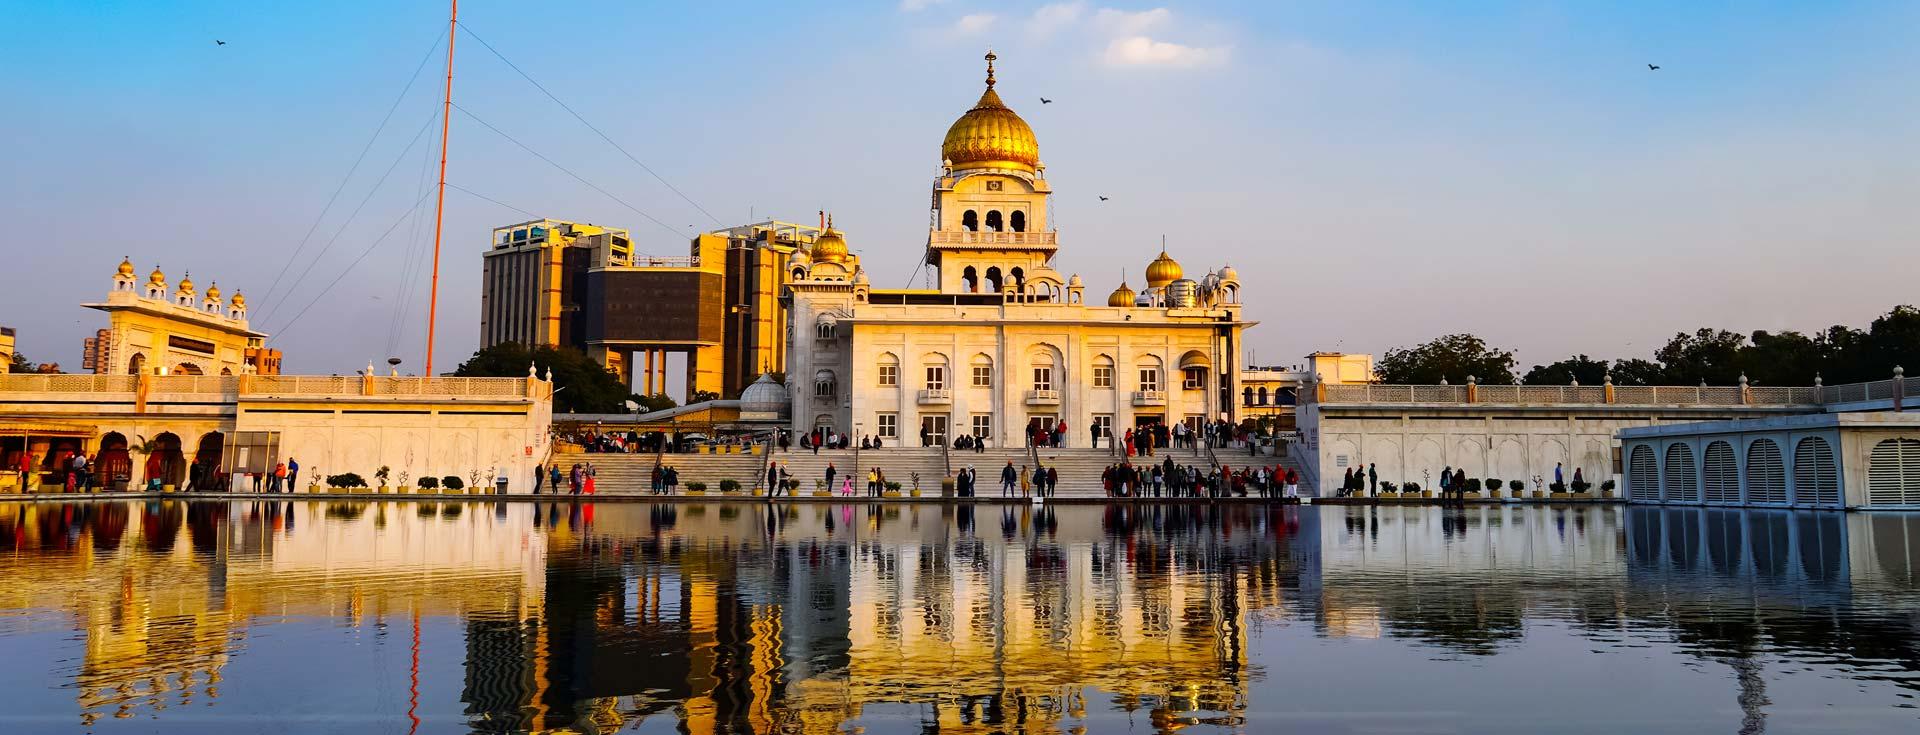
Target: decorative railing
[271,385]
[1149,398]
[38,383]
[1659,395]
[1043,397]
[964,237]
[936,396]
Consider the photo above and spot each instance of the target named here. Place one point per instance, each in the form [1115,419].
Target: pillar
[647,382]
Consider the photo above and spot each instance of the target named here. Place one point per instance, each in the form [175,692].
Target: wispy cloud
[974,23]
[1055,17]
[1141,51]
[1125,23]
[912,6]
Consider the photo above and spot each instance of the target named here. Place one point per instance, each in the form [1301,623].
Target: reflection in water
[735,617]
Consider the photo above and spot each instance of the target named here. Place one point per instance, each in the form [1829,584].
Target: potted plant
[1516,486]
[1493,488]
[452,485]
[403,487]
[1606,489]
[429,485]
[345,482]
[915,477]
[696,488]
[1413,490]
[1388,489]
[381,475]
[473,482]
[729,486]
[893,490]
[947,486]
[1538,483]
[820,489]
[1472,489]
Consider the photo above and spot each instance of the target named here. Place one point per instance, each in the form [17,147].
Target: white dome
[764,396]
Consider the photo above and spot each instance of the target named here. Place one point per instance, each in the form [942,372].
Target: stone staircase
[632,474]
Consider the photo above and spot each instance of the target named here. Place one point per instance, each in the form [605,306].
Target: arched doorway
[111,463]
[204,473]
[185,368]
[137,364]
[164,461]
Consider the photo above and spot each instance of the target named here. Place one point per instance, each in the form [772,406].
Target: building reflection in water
[734,617]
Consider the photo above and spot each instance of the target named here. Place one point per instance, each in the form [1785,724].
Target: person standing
[1093,436]
[873,482]
[831,471]
[773,479]
[1007,477]
[293,472]
[540,473]
[1053,481]
[1557,479]
[588,479]
[279,478]
[1026,483]
[1373,479]
[553,478]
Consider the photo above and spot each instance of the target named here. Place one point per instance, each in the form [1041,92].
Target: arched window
[1150,375]
[1683,477]
[185,368]
[993,279]
[887,369]
[1248,399]
[970,221]
[971,279]
[1893,472]
[824,385]
[1766,473]
[1816,477]
[1103,372]
[823,329]
[1018,220]
[1263,395]
[1722,476]
[137,364]
[1019,279]
[1643,476]
[799,274]
[982,371]
[1043,370]
[994,223]
[936,371]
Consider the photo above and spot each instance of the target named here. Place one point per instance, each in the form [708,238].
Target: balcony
[964,237]
[1043,398]
[936,397]
[1142,398]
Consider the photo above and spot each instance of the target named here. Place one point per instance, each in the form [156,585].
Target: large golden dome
[1162,271]
[990,135]
[1121,296]
[126,267]
[156,277]
[830,246]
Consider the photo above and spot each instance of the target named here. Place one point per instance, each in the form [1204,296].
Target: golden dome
[126,267]
[213,291]
[239,300]
[990,135]
[1162,271]
[830,246]
[156,277]
[1121,296]
[186,283]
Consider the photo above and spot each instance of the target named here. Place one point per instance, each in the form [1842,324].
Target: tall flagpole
[440,207]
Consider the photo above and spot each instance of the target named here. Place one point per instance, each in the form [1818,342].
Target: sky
[1378,173]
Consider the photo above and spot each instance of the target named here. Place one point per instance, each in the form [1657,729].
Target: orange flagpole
[440,206]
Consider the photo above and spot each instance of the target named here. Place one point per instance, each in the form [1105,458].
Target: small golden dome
[991,135]
[186,283]
[1121,296]
[239,300]
[213,291]
[156,277]
[126,267]
[1162,271]
[830,246]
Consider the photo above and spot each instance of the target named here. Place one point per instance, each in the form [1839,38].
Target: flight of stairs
[632,474]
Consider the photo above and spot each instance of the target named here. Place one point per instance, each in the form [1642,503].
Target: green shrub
[1412,487]
[1473,484]
[429,483]
[1388,487]
[1581,486]
[453,482]
[1558,487]
[1607,486]
[697,487]
[1493,484]
[347,479]
[729,486]
[894,486]
[1516,485]
[382,474]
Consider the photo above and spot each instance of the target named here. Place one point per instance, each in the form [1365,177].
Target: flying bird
[1652,67]
[218,42]
[1103,198]
[1045,101]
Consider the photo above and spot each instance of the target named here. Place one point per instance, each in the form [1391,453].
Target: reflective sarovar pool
[732,617]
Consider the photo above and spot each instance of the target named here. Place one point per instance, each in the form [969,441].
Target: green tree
[1787,358]
[1579,367]
[1453,357]
[655,402]
[1894,340]
[585,386]
[1637,372]
[1709,354]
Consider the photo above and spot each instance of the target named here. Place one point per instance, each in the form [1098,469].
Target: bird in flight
[1653,67]
[1045,101]
[218,42]
[1103,198]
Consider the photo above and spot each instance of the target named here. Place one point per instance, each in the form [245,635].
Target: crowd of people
[579,478]
[1172,480]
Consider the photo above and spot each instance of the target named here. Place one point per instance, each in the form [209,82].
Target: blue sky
[1386,172]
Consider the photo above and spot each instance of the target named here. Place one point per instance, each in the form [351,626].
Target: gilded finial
[990,58]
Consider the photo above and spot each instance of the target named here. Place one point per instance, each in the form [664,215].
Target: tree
[1709,354]
[1586,370]
[1637,372]
[1452,357]
[1787,358]
[1895,341]
[654,402]
[585,386]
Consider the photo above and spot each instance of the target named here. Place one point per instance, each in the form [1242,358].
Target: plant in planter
[473,480]
[1606,488]
[915,477]
[452,483]
[1581,486]
[1493,487]
[429,483]
[696,487]
[729,486]
[1516,486]
[893,487]
[381,475]
[403,481]
[1388,487]
[346,481]
[1412,487]
[1473,484]
[1557,487]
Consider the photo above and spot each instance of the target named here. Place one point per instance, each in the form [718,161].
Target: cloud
[1123,23]
[974,23]
[1139,51]
[1055,16]
[911,6]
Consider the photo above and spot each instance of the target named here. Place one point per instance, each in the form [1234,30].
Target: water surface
[391,617]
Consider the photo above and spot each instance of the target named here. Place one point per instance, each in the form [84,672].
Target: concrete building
[1004,340]
[533,279]
[1825,460]
[152,330]
[6,349]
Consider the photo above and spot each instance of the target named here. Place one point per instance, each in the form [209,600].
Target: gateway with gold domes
[1000,340]
[153,331]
